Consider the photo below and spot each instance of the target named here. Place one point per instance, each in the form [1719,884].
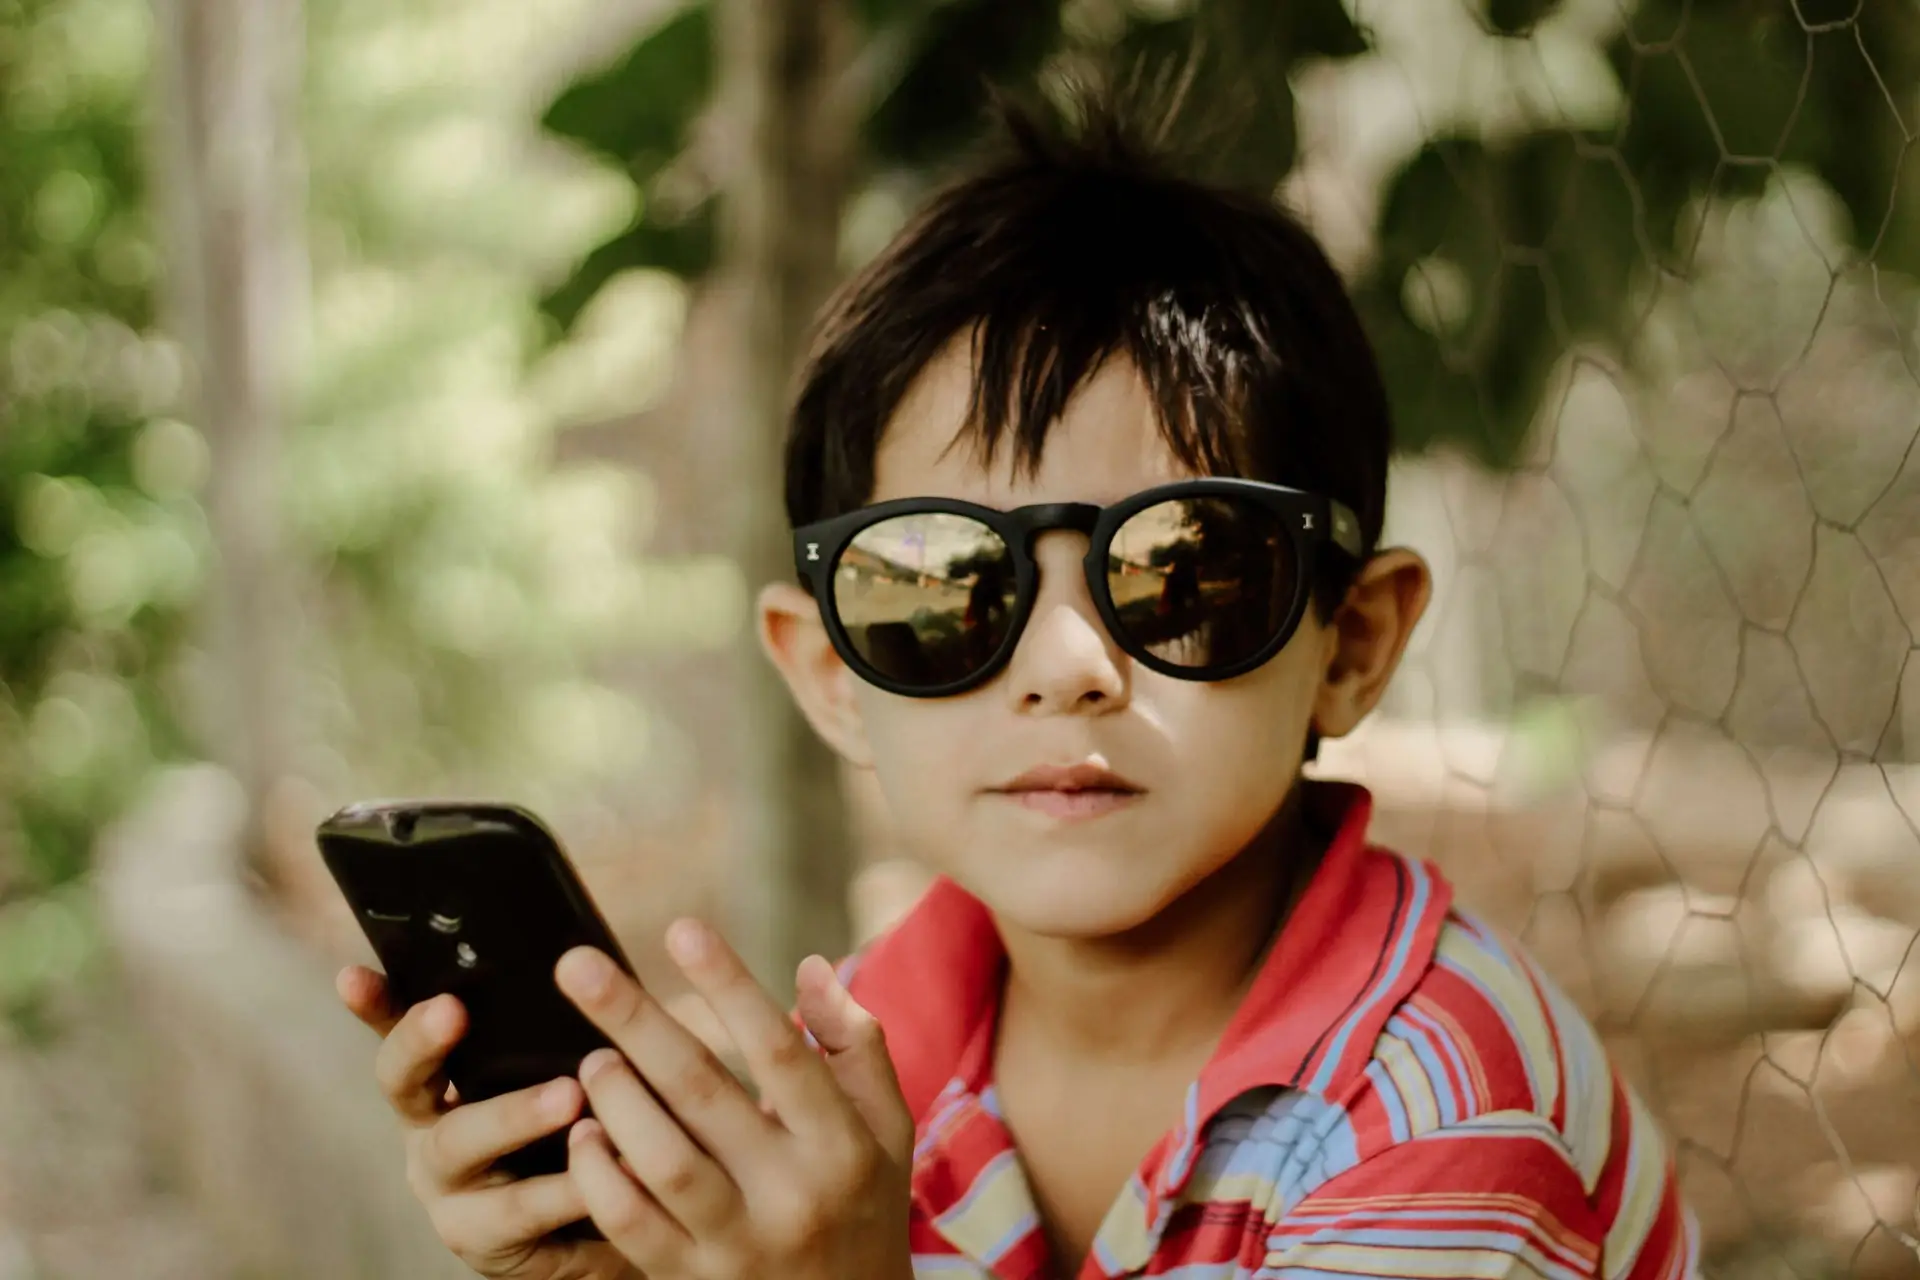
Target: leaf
[1243,56]
[957,49]
[1535,243]
[640,111]
[1853,129]
[1307,29]
[1517,17]
[686,247]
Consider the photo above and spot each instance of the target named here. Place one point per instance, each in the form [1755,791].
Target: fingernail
[587,972]
[579,1133]
[687,941]
[596,1062]
[441,1018]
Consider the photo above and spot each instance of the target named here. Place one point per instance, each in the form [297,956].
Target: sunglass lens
[1202,582]
[927,599]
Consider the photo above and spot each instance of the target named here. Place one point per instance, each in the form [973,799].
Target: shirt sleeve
[1493,1197]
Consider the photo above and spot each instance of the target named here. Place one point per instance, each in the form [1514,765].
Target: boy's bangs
[1028,362]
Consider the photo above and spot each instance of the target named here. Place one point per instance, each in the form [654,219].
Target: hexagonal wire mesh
[1657,721]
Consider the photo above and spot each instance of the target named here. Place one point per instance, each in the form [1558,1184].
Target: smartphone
[481,901]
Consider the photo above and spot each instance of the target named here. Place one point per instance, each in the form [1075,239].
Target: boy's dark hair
[1070,243]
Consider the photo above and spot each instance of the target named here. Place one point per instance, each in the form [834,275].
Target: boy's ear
[1368,633]
[796,640]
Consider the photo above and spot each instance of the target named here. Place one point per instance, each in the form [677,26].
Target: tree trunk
[790,134]
[229,186]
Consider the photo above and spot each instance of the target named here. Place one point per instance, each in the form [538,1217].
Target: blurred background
[388,391]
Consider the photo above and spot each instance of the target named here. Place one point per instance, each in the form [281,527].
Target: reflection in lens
[926,598]
[1202,582]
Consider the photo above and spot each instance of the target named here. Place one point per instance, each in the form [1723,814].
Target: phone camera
[440,923]
[465,956]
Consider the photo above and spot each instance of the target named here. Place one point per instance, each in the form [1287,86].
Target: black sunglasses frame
[1314,522]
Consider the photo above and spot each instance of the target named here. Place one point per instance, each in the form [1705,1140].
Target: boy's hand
[492,1222]
[693,1179]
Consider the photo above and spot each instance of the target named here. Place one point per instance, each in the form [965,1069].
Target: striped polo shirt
[1402,1093]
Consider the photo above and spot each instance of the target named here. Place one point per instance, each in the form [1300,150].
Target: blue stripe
[1387,1089]
[1108,1260]
[1326,1149]
[1028,1223]
[1182,1162]
[1427,1054]
[946,1106]
[1255,1143]
[1402,947]
[1440,1036]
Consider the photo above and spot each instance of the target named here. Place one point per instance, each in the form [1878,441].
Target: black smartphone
[481,901]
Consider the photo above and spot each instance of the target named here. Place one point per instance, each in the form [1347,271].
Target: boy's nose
[1066,663]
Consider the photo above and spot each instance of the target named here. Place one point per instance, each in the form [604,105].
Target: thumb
[856,1050]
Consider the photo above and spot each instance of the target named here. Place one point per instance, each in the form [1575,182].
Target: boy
[1166,1012]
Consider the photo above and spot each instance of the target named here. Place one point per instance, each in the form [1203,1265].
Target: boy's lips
[1085,790]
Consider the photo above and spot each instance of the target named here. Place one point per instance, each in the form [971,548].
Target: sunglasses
[1198,579]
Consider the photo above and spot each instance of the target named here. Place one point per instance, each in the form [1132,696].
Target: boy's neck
[1168,988]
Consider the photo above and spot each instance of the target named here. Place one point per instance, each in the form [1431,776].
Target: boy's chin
[1076,902]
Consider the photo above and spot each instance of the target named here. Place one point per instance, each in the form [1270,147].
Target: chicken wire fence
[1659,720]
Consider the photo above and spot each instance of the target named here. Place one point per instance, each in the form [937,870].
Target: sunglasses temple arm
[1343,528]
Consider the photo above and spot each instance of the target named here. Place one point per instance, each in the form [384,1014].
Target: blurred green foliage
[1555,148]
[459,590]
[468,589]
[102,547]
[1560,233]
[647,132]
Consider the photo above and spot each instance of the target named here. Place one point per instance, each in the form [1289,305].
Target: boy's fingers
[660,1155]
[788,1071]
[410,1060]
[697,1088]
[488,1220]
[464,1141]
[364,992]
[856,1054]
[630,1218]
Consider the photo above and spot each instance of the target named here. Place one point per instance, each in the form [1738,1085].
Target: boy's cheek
[911,738]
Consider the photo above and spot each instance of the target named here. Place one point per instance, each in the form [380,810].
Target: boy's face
[1211,763]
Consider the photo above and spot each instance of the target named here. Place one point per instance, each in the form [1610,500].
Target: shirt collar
[1361,936]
